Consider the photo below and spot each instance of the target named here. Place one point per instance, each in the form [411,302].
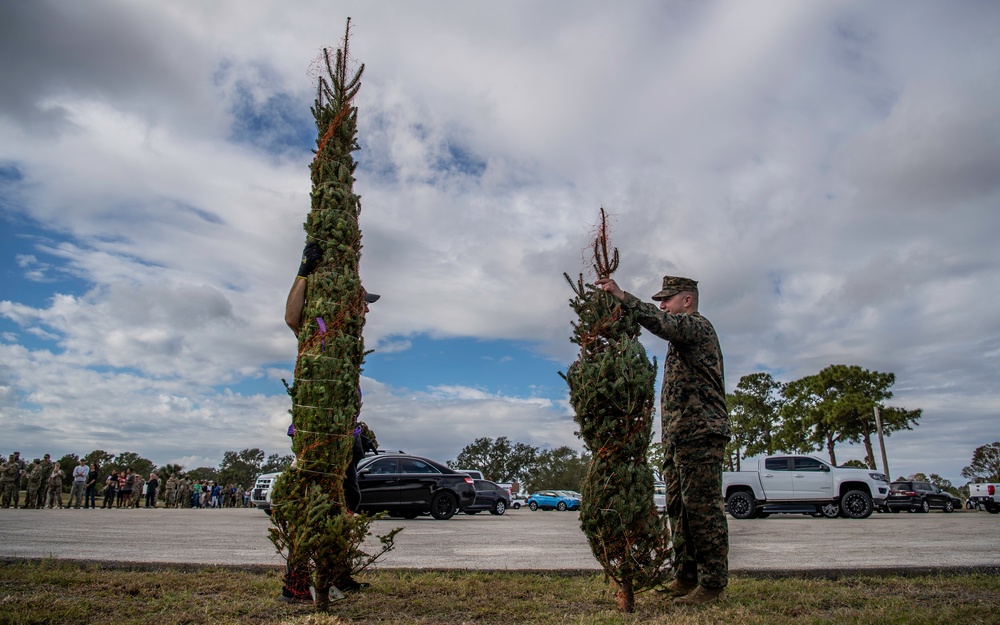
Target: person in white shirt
[80,473]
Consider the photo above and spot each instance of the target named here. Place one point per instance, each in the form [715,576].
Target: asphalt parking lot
[518,540]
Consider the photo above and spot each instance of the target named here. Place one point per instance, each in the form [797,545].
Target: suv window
[901,486]
[808,464]
[412,465]
[776,464]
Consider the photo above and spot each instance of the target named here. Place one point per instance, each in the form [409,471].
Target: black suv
[410,486]
[489,496]
[918,497]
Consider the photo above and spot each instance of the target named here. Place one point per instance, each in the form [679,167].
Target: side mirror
[824,468]
[364,471]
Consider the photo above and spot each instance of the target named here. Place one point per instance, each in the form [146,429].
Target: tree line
[239,468]
[501,461]
[817,412]
[821,411]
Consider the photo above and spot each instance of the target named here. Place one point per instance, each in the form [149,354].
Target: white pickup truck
[803,484]
[985,496]
[261,493]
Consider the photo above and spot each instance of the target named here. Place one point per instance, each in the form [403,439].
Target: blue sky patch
[277,125]
[508,368]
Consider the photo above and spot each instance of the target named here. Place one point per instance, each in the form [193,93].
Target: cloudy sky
[828,171]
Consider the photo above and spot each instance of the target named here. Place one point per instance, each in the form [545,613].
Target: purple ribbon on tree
[322,330]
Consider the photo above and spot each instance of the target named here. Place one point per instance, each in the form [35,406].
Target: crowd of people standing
[46,482]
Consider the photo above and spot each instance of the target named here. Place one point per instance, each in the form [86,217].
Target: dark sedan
[410,486]
[491,497]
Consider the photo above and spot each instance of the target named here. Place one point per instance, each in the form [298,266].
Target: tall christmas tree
[611,388]
[310,523]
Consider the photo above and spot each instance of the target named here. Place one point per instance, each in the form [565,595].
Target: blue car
[553,500]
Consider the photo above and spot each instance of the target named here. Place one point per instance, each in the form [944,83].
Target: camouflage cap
[675,284]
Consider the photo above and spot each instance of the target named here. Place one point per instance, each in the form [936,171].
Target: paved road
[519,540]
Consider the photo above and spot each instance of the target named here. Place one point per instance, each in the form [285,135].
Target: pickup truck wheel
[443,506]
[949,506]
[856,504]
[741,505]
[830,510]
[925,506]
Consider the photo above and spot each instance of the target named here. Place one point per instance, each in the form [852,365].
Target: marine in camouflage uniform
[695,422]
[55,484]
[22,466]
[44,473]
[9,472]
[34,475]
[170,492]
[184,494]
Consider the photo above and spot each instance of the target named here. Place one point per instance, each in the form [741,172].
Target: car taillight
[992,490]
[468,480]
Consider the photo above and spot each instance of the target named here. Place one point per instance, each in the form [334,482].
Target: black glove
[311,256]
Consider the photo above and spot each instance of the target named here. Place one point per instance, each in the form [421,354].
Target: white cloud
[828,171]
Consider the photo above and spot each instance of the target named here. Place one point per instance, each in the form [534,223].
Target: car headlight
[879,477]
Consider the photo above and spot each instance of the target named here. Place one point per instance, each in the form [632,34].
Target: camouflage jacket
[693,396]
[56,478]
[46,469]
[34,473]
[9,471]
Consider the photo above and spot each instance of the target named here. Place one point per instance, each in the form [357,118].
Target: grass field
[66,592]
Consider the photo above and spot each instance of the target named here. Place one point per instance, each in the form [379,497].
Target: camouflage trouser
[54,496]
[699,532]
[32,495]
[7,493]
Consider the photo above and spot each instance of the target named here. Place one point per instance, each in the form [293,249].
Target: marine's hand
[311,256]
[610,286]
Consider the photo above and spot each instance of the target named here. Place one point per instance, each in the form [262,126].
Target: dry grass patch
[65,592]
